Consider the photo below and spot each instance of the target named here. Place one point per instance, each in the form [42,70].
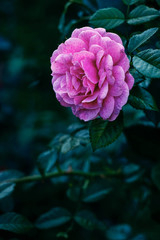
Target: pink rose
[90,74]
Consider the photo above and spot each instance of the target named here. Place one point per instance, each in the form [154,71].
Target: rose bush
[91,74]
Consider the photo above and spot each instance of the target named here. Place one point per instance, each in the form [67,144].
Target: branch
[108,174]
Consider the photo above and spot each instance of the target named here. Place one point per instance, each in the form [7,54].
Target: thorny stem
[108,174]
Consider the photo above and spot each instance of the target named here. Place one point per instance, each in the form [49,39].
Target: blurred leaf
[138,39]
[119,232]
[147,63]
[10,174]
[77,1]
[73,193]
[14,222]
[87,219]
[156,175]
[130,2]
[140,98]
[62,18]
[103,133]
[158,2]
[6,189]
[70,144]
[108,18]
[53,218]
[62,234]
[142,14]
[46,161]
[95,192]
[130,168]
[75,127]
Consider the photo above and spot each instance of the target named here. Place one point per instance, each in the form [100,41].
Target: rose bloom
[90,74]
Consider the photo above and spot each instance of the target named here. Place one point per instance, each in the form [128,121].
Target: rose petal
[114,114]
[107,108]
[90,70]
[87,115]
[129,80]
[122,99]
[124,62]
[72,45]
[79,56]
[104,90]
[118,74]
[77,31]
[114,37]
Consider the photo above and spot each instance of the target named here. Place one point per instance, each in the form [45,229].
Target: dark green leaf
[55,217]
[46,161]
[108,18]
[70,144]
[119,232]
[130,168]
[147,63]
[140,98]
[88,220]
[6,189]
[73,193]
[10,174]
[95,192]
[142,14]
[62,18]
[62,235]
[138,39]
[103,133]
[14,222]
[156,175]
[130,2]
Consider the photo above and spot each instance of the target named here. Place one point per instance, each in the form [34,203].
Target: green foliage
[119,232]
[147,63]
[88,220]
[53,218]
[142,14]
[73,192]
[47,160]
[107,18]
[156,175]
[6,189]
[140,98]
[103,133]
[130,2]
[138,39]
[95,192]
[14,222]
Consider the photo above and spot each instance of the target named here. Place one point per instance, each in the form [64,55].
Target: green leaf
[95,192]
[54,218]
[14,222]
[140,98]
[147,63]
[130,2]
[6,189]
[87,219]
[103,133]
[62,18]
[108,18]
[119,232]
[73,193]
[156,175]
[46,161]
[138,39]
[142,14]
[70,144]
[10,174]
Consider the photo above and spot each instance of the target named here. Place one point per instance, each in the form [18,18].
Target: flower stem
[34,178]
